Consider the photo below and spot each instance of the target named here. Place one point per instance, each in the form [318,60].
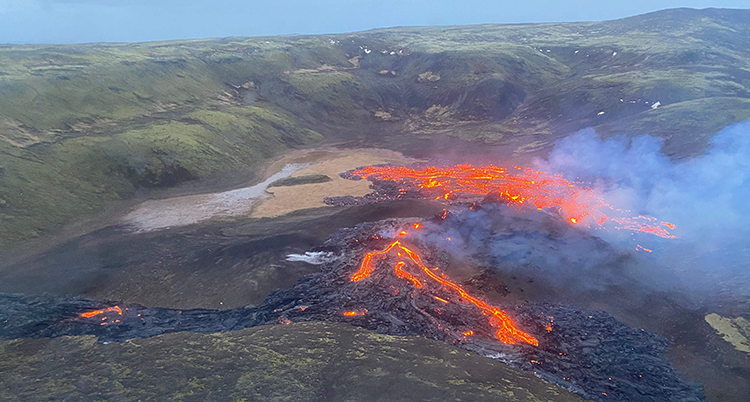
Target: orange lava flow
[506,329]
[641,248]
[354,313]
[90,314]
[518,187]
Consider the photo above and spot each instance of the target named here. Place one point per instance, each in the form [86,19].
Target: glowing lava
[506,329]
[518,187]
[641,248]
[90,314]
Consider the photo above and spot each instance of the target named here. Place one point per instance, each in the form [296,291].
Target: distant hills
[84,125]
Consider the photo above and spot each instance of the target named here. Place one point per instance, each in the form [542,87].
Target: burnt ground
[588,352]
[221,265]
[604,278]
[234,264]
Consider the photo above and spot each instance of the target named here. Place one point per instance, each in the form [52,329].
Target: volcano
[379,277]
[549,200]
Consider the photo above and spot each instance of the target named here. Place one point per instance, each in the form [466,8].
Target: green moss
[295,181]
[338,90]
[294,362]
[84,125]
[78,176]
[675,122]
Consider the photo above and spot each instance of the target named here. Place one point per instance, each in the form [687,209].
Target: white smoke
[530,243]
[707,197]
[312,257]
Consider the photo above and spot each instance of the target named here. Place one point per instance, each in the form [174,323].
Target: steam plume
[707,197]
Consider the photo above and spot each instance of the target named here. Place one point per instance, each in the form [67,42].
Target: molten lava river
[520,187]
[374,277]
[506,330]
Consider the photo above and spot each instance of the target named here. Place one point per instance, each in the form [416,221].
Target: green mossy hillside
[82,125]
[312,361]
[55,183]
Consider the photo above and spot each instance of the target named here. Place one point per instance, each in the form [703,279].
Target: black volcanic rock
[588,352]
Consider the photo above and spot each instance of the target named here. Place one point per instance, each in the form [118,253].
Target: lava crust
[588,352]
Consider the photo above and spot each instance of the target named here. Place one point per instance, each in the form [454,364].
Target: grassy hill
[85,125]
[298,362]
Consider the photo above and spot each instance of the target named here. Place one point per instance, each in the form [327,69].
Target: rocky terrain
[588,352]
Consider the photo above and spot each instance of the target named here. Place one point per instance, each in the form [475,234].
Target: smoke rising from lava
[614,189]
[707,197]
[531,244]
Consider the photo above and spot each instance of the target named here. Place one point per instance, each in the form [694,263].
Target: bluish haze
[75,21]
[706,197]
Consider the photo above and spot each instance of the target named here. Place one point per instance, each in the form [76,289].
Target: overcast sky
[70,21]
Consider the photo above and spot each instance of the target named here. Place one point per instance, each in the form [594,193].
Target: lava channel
[94,313]
[506,330]
[517,187]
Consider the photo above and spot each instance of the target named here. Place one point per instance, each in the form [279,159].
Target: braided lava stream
[506,328]
[518,187]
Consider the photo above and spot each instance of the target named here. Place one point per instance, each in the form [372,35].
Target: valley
[185,219]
